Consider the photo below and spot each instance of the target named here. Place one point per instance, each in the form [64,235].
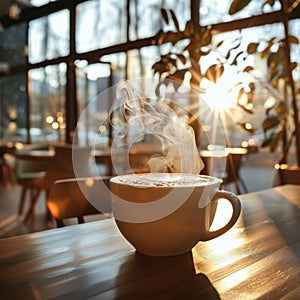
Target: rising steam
[140,116]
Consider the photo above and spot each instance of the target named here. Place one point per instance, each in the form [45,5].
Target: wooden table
[34,154]
[258,258]
[226,164]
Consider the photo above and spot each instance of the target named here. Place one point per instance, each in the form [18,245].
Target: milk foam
[164,180]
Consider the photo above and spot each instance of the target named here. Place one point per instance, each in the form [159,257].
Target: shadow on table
[142,277]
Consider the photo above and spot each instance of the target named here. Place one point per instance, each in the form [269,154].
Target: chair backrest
[61,166]
[26,168]
[76,198]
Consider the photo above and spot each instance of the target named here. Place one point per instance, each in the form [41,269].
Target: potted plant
[192,44]
[279,117]
[281,124]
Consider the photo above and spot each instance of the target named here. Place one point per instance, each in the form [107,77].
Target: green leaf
[270,2]
[164,15]
[270,122]
[244,108]
[292,4]
[293,65]
[207,37]
[228,55]
[164,65]
[251,86]
[276,137]
[175,21]
[173,37]
[182,58]
[189,29]
[160,68]
[161,38]
[275,83]
[280,108]
[293,39]
[266,142]
[252,48]
[238,5]
[234,62]
[237,45]
[172,61]
[265,51]
[236,84]
[248,69]
[272,41]
[214,72]
[219,44]
[177,76]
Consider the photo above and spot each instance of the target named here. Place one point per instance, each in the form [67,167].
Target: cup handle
[236,210]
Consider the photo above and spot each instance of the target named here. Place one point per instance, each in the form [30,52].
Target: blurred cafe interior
[58,56]
[224,73]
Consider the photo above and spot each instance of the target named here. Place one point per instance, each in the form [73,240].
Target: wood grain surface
[257,259]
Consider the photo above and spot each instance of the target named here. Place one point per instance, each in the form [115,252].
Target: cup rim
[149,182]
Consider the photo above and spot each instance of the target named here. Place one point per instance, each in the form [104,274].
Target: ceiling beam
[31,13]
[254,21]
[95,55]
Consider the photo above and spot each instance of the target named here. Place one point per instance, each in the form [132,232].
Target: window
[47,102]
[13,108]
[105,52]
[100,24]
[49,37]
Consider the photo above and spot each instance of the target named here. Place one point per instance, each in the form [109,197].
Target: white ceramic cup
[164,214]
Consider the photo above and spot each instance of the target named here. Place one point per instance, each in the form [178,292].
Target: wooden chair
[26,169]
[6,174]
[61,167]
[76,198]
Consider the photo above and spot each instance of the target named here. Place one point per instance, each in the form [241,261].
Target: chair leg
[80,220]
[5,173]
[33,202]
[48,213]
[59,223]
[238,191]
[22,200]
[243,185]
